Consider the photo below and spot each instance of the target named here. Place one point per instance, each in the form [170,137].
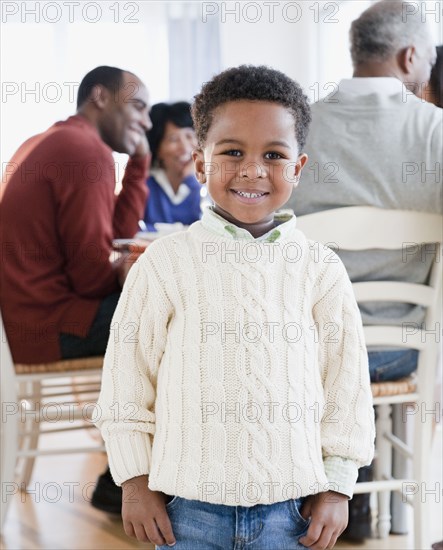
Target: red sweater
[58,216]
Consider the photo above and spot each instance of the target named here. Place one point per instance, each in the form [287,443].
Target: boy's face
[250,160]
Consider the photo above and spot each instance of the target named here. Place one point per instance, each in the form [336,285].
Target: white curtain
[194,49]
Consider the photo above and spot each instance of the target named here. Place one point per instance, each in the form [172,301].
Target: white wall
[309,42]
[42,63]
[306,39]
[285,40]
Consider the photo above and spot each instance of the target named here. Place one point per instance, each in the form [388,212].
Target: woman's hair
[178,113]
[253,83]
[436,78]
[386,28]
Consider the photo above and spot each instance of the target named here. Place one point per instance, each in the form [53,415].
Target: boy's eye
[272,155]
[232,152]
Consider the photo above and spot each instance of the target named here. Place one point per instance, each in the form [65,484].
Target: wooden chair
[362,228]
[39,395]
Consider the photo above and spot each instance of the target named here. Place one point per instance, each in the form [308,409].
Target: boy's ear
[301,161]
[199,165]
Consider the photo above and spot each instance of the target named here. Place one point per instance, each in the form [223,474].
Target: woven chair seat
[397,387]
[66,365]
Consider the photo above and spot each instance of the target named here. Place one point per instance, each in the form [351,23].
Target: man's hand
[144,513]
[329,517]
[142,148]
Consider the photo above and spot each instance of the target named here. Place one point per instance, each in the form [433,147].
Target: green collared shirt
[284,220]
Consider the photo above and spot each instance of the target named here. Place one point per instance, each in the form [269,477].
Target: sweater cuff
[341,473]
[129,456]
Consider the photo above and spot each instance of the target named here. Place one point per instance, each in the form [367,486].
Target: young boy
[236,405]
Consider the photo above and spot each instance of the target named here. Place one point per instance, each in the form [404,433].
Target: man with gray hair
[373,142]
[391,39]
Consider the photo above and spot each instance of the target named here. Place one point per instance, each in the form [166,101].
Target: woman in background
[174,192]
[433,92]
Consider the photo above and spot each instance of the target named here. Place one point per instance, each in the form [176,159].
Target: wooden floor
[56,513]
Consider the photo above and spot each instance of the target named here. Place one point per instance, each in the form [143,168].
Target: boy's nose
[253,170]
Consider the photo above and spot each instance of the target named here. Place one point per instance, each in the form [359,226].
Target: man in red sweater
[58,217]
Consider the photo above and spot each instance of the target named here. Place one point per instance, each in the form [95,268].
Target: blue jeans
[95,342]
[391,365]
[202,526]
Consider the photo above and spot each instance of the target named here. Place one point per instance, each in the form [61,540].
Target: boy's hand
[329,517]
[144,513]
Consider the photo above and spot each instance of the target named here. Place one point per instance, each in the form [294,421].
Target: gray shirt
[372,142]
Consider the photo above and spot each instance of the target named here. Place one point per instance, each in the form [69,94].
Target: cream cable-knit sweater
[236,371]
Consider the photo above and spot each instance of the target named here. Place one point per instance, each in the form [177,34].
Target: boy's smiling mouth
[249,196]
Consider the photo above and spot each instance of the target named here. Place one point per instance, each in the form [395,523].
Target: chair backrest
[364,227]
[361,228]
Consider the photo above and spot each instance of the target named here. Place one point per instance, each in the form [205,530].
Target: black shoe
[107,497]
[356,533]
[359,526]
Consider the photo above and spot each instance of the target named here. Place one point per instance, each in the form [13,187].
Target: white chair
[39,395]
[362,228]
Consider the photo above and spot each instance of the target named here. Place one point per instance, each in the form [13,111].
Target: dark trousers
[391,365]
[95,342]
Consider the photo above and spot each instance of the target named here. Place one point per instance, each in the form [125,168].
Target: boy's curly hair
[255,83]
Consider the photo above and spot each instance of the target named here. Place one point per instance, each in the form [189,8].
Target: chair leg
[33,425]
[9,460]
[383,468]
[427,490]
[401,470]
[9,446]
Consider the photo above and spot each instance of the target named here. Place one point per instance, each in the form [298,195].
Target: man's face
[124,119]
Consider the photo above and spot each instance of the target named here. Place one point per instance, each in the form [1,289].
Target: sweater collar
[82,121]
[86,125]
[285,221]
